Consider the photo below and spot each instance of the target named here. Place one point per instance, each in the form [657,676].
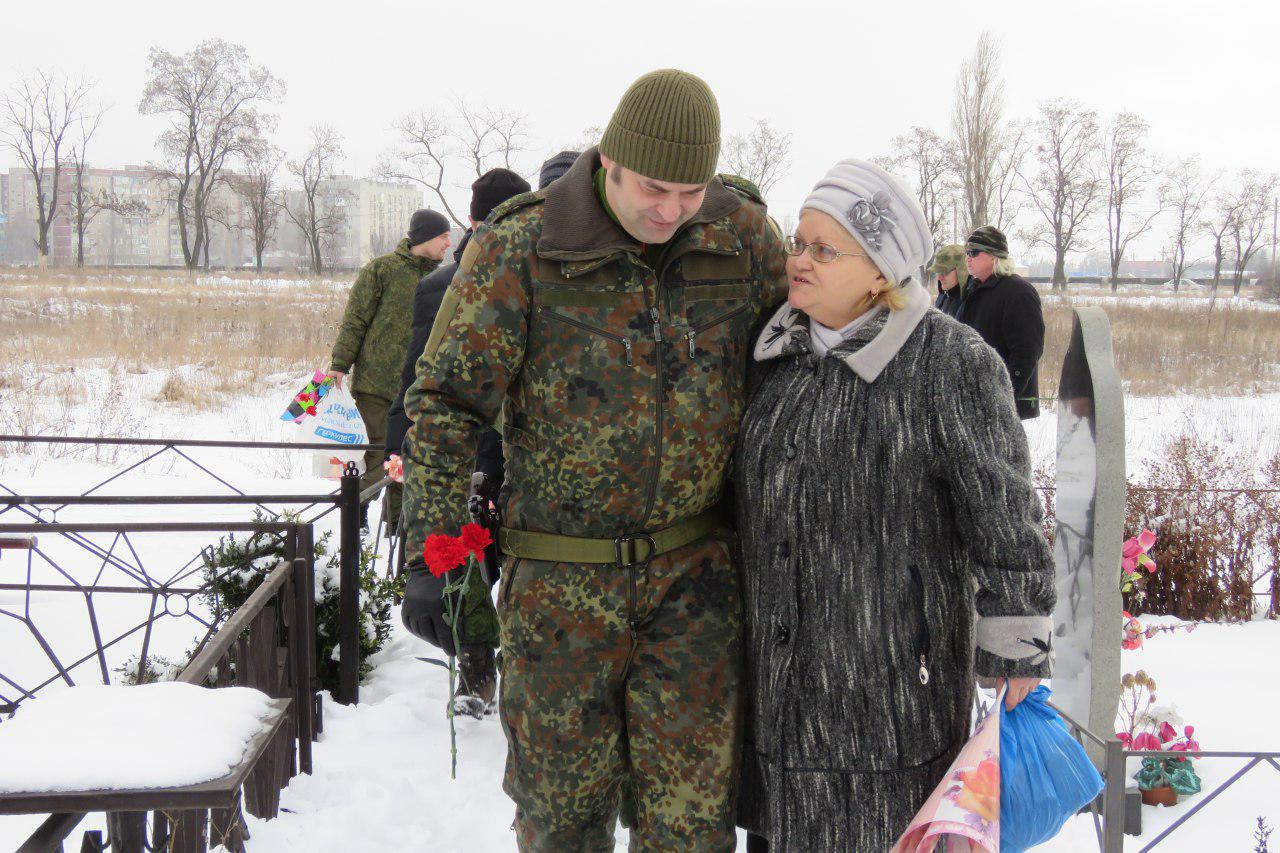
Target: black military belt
[622,550]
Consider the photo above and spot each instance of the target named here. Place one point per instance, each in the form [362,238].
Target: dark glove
[423,608]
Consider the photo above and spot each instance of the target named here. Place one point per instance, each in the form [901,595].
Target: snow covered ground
[381,769]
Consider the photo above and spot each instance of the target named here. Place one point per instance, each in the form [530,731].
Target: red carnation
[476,539]
[443,553]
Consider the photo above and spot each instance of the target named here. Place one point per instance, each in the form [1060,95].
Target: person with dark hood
[948,265]
[1005,309]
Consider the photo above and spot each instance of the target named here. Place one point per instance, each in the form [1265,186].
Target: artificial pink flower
[394,468]
[1146,741]
[1167,732]
[1134,553]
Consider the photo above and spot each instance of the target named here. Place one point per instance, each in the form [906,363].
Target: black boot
[478,681]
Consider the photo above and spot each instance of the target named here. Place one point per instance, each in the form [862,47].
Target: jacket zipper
[723,318]
[626,342]
[657,426]
[922,633]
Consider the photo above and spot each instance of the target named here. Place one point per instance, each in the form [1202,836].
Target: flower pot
[1161,796]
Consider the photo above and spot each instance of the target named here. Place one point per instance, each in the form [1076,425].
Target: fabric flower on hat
[872,218]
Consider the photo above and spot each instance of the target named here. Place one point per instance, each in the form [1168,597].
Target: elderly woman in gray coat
[883,496]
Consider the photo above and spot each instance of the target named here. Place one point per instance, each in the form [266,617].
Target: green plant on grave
[1177,773]
[235,567]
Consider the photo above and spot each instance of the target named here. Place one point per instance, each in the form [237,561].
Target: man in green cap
[375,335]
[607,319]
[948,265]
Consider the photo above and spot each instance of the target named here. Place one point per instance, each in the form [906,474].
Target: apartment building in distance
[141,228]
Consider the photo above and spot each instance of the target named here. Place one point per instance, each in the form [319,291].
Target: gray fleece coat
[883,495]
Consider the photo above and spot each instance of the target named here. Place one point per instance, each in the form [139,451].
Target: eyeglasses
[820,252]
[972,253]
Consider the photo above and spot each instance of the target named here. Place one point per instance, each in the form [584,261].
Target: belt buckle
[630,541]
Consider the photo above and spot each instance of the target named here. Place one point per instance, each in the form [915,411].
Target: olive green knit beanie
[666,127]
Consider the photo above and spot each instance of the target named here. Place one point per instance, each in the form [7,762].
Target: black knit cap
[555,167]
[426,225]
[492,189]
[989,239]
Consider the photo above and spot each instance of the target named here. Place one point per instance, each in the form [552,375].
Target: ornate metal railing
[120,556]
[268,643]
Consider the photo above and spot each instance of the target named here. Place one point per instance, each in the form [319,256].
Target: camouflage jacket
[376,324]
[620,387]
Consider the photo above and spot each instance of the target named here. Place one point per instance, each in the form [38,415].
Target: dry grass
[234,329]
[228,326]
[1169,345]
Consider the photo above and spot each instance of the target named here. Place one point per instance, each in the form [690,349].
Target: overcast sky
[842,77]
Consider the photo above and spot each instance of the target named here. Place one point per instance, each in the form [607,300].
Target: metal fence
[120,559]
[1117,810]
[268,644]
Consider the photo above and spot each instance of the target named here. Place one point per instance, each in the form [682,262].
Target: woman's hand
[1018,690]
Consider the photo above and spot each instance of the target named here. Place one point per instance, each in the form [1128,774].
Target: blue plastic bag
[1045,775]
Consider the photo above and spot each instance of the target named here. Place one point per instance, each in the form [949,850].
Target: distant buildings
[133,222]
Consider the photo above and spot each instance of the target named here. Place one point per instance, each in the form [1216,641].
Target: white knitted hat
[879,212]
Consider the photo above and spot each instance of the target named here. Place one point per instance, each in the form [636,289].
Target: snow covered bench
[166,747]
[191,751]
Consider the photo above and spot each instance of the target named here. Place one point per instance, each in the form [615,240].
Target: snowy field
[381,769]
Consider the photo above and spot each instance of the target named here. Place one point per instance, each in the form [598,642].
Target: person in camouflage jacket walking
[375,333]
[607,320]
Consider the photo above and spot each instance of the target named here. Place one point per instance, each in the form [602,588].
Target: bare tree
[589,138]
[1066,189]
[975,125]
[318,213]
[84,206]
[38,119]
[261,199]
[926,159]
[422,156]
[1182,193]
[1129,171]
[213,97]
[431,145]
[490,137]
[1252,204]
[761,156]
[1007,200]
[1218,228]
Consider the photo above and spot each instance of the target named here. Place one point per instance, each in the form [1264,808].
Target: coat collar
[576,227]
[869,350]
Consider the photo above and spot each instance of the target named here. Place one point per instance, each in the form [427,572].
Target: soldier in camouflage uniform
[607,319]
[375,333]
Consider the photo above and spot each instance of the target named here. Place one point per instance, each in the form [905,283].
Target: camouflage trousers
[373,411]
[622,680]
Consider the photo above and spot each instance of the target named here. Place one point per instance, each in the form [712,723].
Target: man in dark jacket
[476,663]
[489,190]
[953,277]
[426,300]
[1005,309]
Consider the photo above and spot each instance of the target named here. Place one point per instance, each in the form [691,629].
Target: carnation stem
[449,589]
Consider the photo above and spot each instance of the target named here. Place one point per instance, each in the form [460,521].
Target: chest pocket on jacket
[716,289]
[581,335]
[718,300]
